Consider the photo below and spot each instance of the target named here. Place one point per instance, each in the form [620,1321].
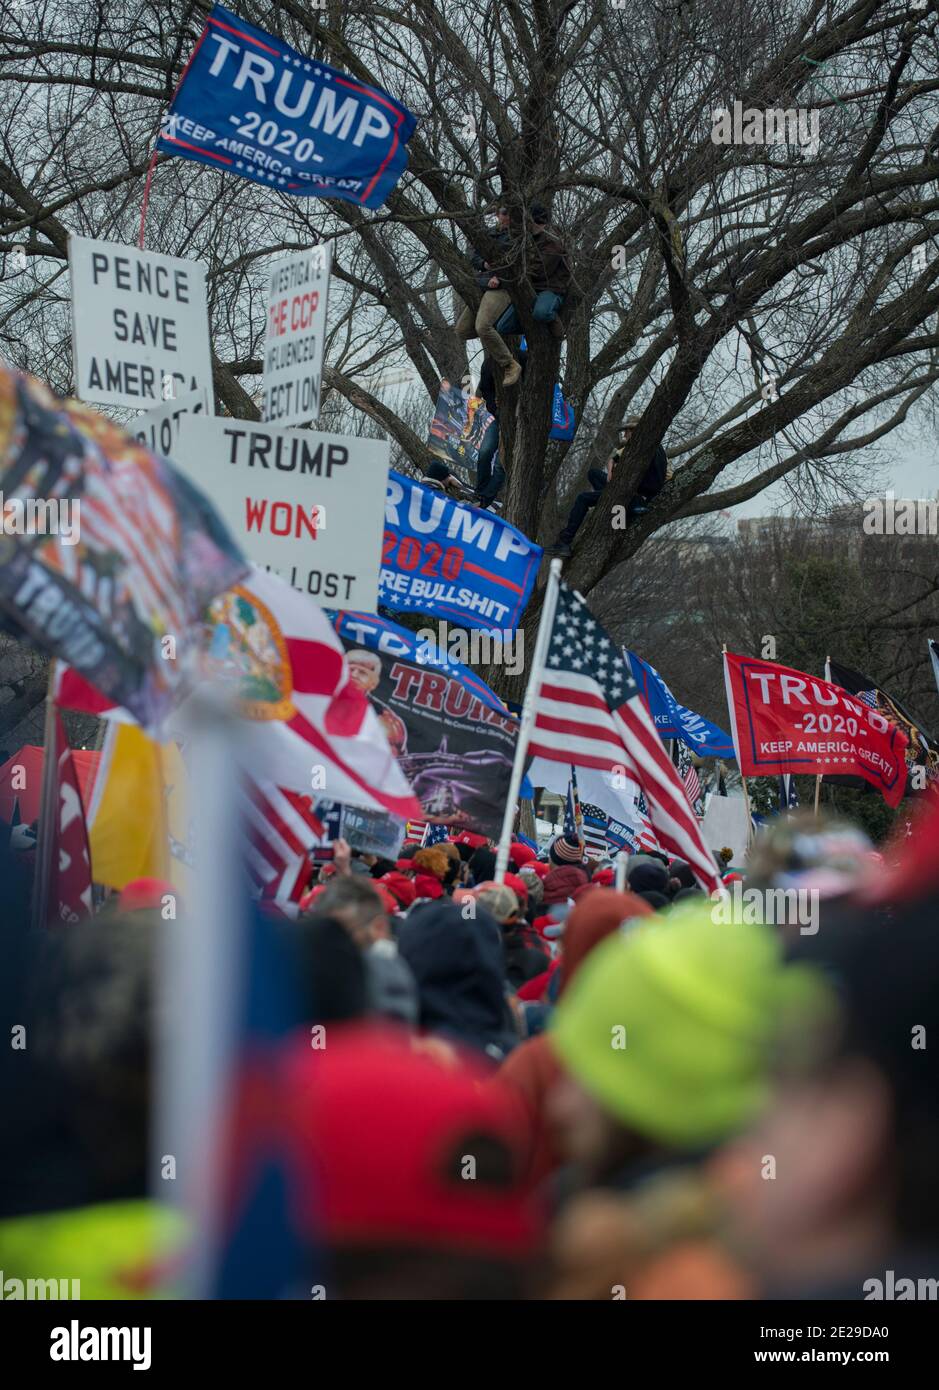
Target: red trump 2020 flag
[785,721]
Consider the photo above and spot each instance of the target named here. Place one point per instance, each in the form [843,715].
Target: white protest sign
[296,331]
[139,324]
[158,429]
[309,506]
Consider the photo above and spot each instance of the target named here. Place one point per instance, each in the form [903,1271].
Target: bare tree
[768,309]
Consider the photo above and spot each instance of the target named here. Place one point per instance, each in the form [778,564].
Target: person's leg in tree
[582,504]
[465,326]
[495,483]
[494,304]
[484,462]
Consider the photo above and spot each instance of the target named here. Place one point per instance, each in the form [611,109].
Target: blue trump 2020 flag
[673,720]
[249,104]
[453,561]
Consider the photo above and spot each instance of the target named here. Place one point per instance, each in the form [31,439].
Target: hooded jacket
[549,268]
[533,1067]
[457,965]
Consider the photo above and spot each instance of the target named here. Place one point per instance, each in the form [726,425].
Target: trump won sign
[251,105]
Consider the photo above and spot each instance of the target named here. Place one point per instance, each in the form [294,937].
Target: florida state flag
[785,721]
[64,871]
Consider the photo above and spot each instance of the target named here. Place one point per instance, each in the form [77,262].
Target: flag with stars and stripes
[689,775]
[645,834]
[588,712]
[595,825]
[572,814]
[788,796]
[434,835]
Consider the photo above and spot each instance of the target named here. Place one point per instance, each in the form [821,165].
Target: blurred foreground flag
[107,555]
[138,821]
[249,104]
[303,723]
[68,894]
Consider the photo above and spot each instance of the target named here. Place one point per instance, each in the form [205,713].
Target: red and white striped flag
[280,829]
[689,775]
[589,712]
[305,724]
[645,834]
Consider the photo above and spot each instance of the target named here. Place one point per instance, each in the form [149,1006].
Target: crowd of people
[541,1088]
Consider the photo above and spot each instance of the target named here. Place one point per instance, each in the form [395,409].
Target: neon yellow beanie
[669,1027]
[106,1250]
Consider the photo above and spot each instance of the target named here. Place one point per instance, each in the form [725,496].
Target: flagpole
[620,875]
[45,822]
[528,715]
[818,775]
[743,780]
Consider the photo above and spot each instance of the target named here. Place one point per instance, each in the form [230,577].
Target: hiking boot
[561,548]
[512,373]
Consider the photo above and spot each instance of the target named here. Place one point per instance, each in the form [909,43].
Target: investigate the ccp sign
[296,329]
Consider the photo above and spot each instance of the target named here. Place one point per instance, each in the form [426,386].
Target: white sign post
[296,332]
[140,324]
[309,506]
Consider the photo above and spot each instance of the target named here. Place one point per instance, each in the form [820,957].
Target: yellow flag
[137,824]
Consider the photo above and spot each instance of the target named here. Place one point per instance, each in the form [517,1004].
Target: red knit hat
[559,884]
[518,886]
[382,1132]
[142,893]
[522,854]
[402,888]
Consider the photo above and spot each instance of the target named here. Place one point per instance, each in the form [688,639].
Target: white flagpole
[528,715]
[620,878]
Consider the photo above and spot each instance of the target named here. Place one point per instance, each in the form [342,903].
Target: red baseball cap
[522,854]
[145,892]
[604,877]
[384,1132]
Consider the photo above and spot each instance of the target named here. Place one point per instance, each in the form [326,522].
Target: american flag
[434,835]
[688,774]
[281,826]
[595,825]
[571,810]
[416,830]
[788,796]
[645,835]
[589,711]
